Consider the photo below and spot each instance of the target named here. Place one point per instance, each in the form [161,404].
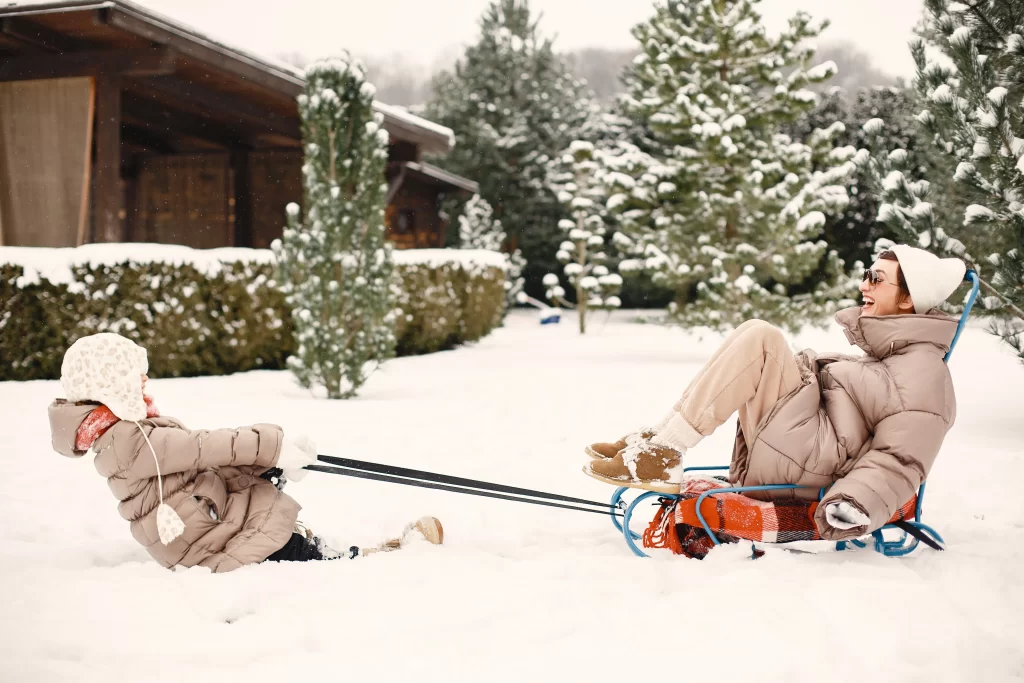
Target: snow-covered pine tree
[720,204]
[479,229]
[514,104]
[854,232]
[576,178]
[334,265]
[970,64]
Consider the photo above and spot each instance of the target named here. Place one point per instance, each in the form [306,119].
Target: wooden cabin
[120,125]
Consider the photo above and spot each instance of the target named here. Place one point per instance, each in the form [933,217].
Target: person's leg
[748,374]
[302,549]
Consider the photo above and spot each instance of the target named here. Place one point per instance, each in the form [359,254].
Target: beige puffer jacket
[210,478]
[870,425]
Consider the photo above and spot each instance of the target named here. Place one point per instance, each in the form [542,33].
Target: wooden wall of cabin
[413,218]
[191,199]
[275,181]
[182,199]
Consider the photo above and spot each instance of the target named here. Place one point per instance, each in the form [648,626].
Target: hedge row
[202,321]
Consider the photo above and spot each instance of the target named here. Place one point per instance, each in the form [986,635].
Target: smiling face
[885,297]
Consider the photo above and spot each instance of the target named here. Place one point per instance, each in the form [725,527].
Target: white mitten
[296,454]
[842,515]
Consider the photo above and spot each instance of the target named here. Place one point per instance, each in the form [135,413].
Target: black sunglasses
[875,277]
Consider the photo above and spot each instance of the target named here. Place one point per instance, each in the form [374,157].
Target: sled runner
[708,511]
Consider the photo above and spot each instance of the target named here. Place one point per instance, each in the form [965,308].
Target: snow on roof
[443,176]
[411,119]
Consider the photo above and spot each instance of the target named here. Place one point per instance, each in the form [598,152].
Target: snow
[982,148]
[961,37]
[964,170]
[812,221]
[998,95]
[893,181]
[54,264]
[822,71]
[874,126]
[942,94]
[977,212]
[411,119]
[518,591]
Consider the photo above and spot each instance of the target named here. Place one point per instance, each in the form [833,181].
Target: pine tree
[854,232]
[718,202]
[513,104]
[335,265]
[975,120]
[576,177]
[479,229]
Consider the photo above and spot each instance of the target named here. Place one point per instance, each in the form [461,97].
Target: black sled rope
[392,474]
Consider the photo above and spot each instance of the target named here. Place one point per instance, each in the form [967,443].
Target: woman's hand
[842,515]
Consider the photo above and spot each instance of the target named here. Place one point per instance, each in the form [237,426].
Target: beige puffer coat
[870,425]
[210,478]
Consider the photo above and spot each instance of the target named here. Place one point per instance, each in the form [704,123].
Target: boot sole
[656,486]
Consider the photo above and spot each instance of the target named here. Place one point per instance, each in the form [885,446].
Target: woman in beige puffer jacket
[192,497]
[868,427]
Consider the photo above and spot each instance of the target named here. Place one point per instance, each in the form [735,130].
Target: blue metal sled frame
[897,547]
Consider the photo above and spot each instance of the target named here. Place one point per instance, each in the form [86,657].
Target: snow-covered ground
[517,592]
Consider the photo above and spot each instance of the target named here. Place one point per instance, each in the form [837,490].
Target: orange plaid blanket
[733,517]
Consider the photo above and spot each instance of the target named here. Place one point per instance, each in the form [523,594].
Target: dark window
[406,223]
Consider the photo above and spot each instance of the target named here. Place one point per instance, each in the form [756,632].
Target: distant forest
[400,81]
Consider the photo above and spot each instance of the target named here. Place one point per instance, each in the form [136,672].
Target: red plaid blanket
[733,516]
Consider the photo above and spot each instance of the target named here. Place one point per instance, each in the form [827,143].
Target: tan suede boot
[642,466]
[428,527]
[607,451]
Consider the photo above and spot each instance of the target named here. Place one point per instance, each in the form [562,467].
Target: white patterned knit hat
[107,368]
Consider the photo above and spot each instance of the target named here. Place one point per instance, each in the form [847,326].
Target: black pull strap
[363,474]
[448,479]
[917,533]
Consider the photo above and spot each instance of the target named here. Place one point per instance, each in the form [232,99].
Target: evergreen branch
[975,11]
[1005,299]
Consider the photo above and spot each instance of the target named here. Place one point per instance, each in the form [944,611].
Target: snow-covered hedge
[209,312]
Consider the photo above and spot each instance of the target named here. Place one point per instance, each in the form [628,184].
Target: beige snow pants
[748,374]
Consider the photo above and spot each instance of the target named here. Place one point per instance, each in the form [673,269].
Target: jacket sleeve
[181,450]
[887,476]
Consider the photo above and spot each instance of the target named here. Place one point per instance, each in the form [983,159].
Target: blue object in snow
[550,316]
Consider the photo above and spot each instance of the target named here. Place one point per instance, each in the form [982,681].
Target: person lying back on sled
[868,427]
[193,497]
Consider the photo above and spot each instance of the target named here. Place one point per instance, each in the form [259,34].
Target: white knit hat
[107,368]
[930,279]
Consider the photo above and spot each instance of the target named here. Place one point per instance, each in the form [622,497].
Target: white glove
[842,515]
[296,454]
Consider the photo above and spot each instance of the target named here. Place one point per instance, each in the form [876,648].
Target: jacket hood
[107,368]
[65,419]
[882,335]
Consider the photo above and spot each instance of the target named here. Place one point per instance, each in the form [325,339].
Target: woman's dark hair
[900,280]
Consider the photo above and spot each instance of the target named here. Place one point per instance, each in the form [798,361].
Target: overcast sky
[431,31]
